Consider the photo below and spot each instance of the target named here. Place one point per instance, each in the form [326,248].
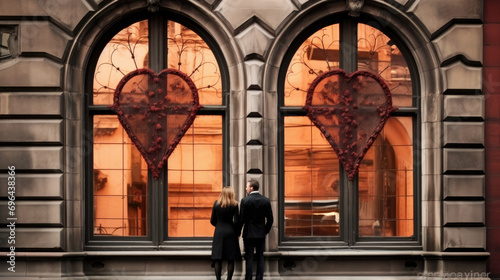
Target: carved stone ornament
[354,6]
[153,5]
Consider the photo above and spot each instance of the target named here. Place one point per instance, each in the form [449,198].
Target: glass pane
[120,181]
[386,182]
[124,53]
[189,53]
[311,181]
[317,54]
[379,54]
[195,178]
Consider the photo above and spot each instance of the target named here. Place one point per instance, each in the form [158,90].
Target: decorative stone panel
[31,103]
[457,106]
[435,14]
[254,73]
[461,39]
[463,160]
[236,12]
[48,213]
[463,186]
[254,40]
[36,186]
[463,133]
[30,72]
[464,238]
[42,37]
[255,162]
[462,77]
[33,158]
[461,212]
[30,131]
[254,131]
[254,103]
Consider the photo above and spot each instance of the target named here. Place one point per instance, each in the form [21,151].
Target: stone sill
[206,253]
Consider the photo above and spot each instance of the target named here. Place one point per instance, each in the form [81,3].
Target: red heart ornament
[350,111]
[156,110]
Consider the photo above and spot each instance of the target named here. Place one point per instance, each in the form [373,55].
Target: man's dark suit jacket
[256,215]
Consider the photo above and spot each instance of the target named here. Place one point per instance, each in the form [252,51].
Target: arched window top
[324,51]
[184,51]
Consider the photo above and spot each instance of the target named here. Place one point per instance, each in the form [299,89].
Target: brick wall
[491,88]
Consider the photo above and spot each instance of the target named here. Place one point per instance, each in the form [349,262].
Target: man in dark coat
[256,217]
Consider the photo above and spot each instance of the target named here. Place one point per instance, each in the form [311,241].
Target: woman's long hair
[226,197]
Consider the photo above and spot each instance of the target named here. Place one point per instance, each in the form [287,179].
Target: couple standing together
[256,218]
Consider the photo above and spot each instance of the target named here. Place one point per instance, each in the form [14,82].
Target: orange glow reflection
[195,178]
[195,169]
[120,181]
[312,175]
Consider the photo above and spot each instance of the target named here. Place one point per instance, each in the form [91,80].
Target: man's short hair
[254,184]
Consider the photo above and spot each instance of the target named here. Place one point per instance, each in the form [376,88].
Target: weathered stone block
[463,133]
[254,103]
[435,14]
[464,238]
[36,185]
[39,238]
[254,73]
[30,72]
[35,212]
[463,186]
[459,77]
[29,103]
[31,131]
[67,13]
[33,158]
[254,159]
[254,130]
[254,40]
[464,212]
[42,37]
[464,106]
[236,12]
[453,42]
[463,160]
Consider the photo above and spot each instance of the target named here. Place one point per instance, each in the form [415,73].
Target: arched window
[127,201]
[318,199]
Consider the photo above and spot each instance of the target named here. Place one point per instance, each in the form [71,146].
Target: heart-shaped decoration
[156,110]
[350,111]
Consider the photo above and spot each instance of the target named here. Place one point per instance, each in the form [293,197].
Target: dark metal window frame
[349,222]
[157,220]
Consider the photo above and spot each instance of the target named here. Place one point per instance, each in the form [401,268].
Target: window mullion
[157,62]
[349,63]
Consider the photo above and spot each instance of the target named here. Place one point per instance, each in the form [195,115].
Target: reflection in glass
[125,52]
[195,178]
[128,50]
[386,183]
[195,174]
[311,168]
[317,54]
[311,181]
[379,54]
[120,181]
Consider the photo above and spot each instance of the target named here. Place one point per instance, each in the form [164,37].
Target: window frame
[157,235]
[349,193]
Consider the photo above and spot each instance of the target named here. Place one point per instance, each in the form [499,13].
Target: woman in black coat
[225,245]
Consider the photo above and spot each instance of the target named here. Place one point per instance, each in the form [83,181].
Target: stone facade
[42,99]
